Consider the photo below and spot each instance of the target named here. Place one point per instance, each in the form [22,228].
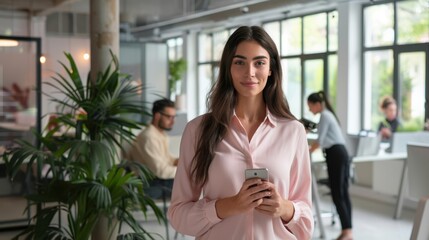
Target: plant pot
[180,102]
[106,229]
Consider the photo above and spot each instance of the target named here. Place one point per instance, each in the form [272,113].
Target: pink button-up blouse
[278,144]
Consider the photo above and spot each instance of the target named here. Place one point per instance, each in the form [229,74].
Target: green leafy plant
[414,125]
[176,70]
[86,179]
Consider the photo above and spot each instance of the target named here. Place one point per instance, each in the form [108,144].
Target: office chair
[161,189]
[417,164]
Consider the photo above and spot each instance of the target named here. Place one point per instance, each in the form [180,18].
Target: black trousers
[337,160]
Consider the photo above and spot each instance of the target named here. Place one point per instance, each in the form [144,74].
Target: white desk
[402,156]
[14,126]
[318,157]
[381,157]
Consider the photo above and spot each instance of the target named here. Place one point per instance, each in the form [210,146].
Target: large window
[175,48]
[67,24]
[308,47]
[395,54]
[209,54]
[175,53]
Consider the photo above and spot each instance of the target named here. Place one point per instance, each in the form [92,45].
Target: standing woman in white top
[332,142]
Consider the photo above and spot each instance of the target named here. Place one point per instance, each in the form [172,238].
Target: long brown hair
[222,97]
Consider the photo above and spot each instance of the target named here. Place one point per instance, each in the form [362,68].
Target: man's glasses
[168,115]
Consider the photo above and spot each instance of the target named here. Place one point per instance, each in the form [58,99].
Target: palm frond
[83,179]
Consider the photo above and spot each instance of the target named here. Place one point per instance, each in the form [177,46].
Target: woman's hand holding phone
[250,196]
[276,206]
[258,190]
[261,173]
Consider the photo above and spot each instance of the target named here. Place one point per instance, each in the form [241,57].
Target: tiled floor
[372,221]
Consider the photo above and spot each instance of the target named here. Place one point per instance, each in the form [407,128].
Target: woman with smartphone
[331,140]
[248,125]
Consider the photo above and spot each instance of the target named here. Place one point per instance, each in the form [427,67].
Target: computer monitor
[399,140]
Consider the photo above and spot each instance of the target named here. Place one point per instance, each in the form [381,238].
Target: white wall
[155,71]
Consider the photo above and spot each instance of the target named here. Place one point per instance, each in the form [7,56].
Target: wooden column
[104,20]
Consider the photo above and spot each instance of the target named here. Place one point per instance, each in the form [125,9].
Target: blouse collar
[269,118]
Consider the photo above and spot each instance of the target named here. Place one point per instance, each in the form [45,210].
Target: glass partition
[19,81]
[20,115]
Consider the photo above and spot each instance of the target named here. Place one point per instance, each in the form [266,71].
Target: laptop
[368,144]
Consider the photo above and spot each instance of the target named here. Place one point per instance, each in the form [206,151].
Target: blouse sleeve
[187,213]
[301,224]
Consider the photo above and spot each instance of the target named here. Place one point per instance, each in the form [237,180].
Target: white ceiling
[36,7]
[147,15]
[142,12]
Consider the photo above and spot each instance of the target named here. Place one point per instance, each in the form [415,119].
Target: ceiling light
[244,9]
[8,43]
[42,59]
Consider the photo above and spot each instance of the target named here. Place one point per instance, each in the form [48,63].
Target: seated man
[151,145]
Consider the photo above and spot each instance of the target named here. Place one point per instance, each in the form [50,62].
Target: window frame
[323,55]
[397,49]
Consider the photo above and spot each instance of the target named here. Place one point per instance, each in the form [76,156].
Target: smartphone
[261,173]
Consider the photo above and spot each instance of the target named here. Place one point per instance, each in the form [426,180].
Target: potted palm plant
[86,181]
[176,70]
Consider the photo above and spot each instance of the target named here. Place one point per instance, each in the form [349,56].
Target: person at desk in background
[391,123]
[332,142]
[248,125]
[151,145]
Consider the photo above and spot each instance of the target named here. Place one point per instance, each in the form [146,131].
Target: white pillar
[349,70]
[191,85]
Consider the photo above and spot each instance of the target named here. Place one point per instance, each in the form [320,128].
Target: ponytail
[321,98]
